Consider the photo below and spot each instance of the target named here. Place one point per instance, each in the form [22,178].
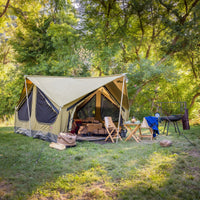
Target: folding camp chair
[111,129]
[144,125]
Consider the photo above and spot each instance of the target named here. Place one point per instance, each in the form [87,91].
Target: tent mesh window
[109,109]
[45,111]
[88,110]
[23,109]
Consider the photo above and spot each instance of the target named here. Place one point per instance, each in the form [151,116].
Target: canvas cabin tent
[48,104]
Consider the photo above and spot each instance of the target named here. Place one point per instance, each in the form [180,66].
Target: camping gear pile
[68,139]
[64,140]
[89,126]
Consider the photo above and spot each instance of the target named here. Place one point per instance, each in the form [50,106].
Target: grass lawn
[29,169]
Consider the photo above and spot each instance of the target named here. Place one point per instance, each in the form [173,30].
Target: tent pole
[120,109]
[28,106]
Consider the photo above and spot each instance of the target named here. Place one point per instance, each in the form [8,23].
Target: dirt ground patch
[194,153]
[97,191]
[5,189]
[195,171]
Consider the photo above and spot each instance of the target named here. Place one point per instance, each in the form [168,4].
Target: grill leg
[178,128]
[174,123]
[164,127]
[167,127]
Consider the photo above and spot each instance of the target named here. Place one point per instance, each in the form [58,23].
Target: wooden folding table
[132,129]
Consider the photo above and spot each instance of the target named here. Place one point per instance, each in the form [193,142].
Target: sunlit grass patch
[89,183]
[165,175]
[158,167]
[151,176]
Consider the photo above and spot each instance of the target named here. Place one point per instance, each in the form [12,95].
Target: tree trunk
[5,9]
[139,90]
[193,99]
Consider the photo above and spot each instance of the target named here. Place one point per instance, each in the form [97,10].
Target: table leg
[140,133]
[129,136]
[132,133]
[136,138]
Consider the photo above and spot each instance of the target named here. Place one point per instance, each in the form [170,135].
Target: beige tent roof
[63,90]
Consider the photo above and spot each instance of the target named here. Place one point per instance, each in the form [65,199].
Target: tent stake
[120,109]
[28,106]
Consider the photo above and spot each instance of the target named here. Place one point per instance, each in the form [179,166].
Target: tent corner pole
[120,109]
[28,109]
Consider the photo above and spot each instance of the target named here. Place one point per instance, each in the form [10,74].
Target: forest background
[156,42]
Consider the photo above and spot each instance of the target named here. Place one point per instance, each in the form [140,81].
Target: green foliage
[10,87]
[155,42]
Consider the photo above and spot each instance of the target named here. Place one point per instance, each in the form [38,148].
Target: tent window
[23,110]
[109,109]
[45,112]
[88,110]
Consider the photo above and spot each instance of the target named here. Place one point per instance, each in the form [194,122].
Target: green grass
[29,169]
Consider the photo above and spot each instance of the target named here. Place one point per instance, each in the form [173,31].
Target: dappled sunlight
[150,177]
[157,167]
[131,163]
[83,185]
[96,183]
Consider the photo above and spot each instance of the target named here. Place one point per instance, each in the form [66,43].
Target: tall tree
[144,38]
[46,43]
[155,42]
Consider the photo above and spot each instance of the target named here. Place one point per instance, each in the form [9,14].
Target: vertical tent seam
[28,109]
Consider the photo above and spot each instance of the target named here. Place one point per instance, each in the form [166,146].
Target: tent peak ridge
[75,77]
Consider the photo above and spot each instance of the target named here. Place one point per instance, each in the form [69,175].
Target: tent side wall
[45,131]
